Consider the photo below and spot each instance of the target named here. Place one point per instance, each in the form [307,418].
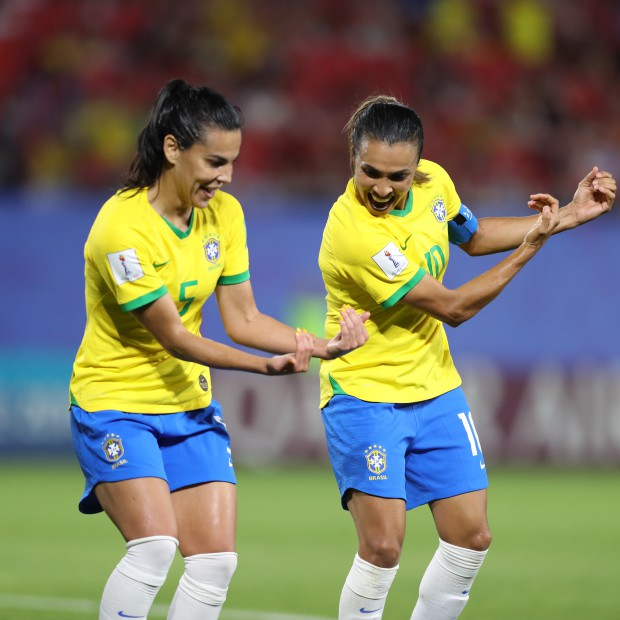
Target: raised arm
[455,306]
[594,196]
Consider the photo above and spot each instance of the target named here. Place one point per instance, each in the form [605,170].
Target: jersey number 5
[184,297]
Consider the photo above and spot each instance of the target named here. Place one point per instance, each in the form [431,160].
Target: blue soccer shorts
[185,448]
[417,452]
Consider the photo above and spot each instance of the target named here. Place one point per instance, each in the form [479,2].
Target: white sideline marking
[74,605]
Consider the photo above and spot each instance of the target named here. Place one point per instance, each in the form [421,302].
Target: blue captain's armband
[462,227]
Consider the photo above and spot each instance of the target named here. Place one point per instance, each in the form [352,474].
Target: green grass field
[555,555]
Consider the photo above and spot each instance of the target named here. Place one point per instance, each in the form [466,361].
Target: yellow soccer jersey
[134,256]
[370,263]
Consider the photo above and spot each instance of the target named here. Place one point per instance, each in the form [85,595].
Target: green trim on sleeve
[72,399]
[241,277]
[403,290]
[145,299]
[336,389]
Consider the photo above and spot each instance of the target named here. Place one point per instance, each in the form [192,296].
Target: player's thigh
[462,520]
[380,523]
[139,507]
[206,515]
[201,477]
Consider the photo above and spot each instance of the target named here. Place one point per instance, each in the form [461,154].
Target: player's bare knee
[474,539]
[382,552]
[480,541]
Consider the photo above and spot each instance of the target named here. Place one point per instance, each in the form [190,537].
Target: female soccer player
[399,430]
[151,442]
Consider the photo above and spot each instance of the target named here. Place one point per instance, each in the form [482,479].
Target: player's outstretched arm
[595,196]
[455,306]
[161,318]
[246,325]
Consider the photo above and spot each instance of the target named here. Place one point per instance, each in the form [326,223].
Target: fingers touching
[353,332]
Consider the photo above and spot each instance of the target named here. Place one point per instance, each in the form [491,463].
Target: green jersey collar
[179,233]
[407,209]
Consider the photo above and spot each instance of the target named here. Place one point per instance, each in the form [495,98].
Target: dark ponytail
[187,112]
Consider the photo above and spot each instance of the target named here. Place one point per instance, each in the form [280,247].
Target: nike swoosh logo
[370,611]
[482,465]
[155,266]
[403,246]
[124,615]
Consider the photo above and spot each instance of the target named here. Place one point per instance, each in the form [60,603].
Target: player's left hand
[594,196]
[352,333]
[293,362]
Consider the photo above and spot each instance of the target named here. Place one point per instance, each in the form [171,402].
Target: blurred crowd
[516,96]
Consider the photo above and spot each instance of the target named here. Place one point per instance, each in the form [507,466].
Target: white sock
[444,590]
[365,590]
[203,586]
[135,581]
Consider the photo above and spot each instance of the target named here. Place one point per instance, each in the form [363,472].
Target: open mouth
[380,204]
[207,192]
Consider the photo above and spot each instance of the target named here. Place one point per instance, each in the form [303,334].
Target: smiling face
[383,174]
[199,171]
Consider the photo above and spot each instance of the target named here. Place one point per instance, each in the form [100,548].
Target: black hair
[386,119]
[187,112]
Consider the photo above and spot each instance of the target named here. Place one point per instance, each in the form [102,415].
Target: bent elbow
[173,350]
[234,335]
[175,345]
[457,317]
[454,322]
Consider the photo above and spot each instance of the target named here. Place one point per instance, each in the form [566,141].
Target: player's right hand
[352,333]
[547,222]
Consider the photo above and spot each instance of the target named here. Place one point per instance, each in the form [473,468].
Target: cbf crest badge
[376,461]
[212,250]
[438,207]
[112,447]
